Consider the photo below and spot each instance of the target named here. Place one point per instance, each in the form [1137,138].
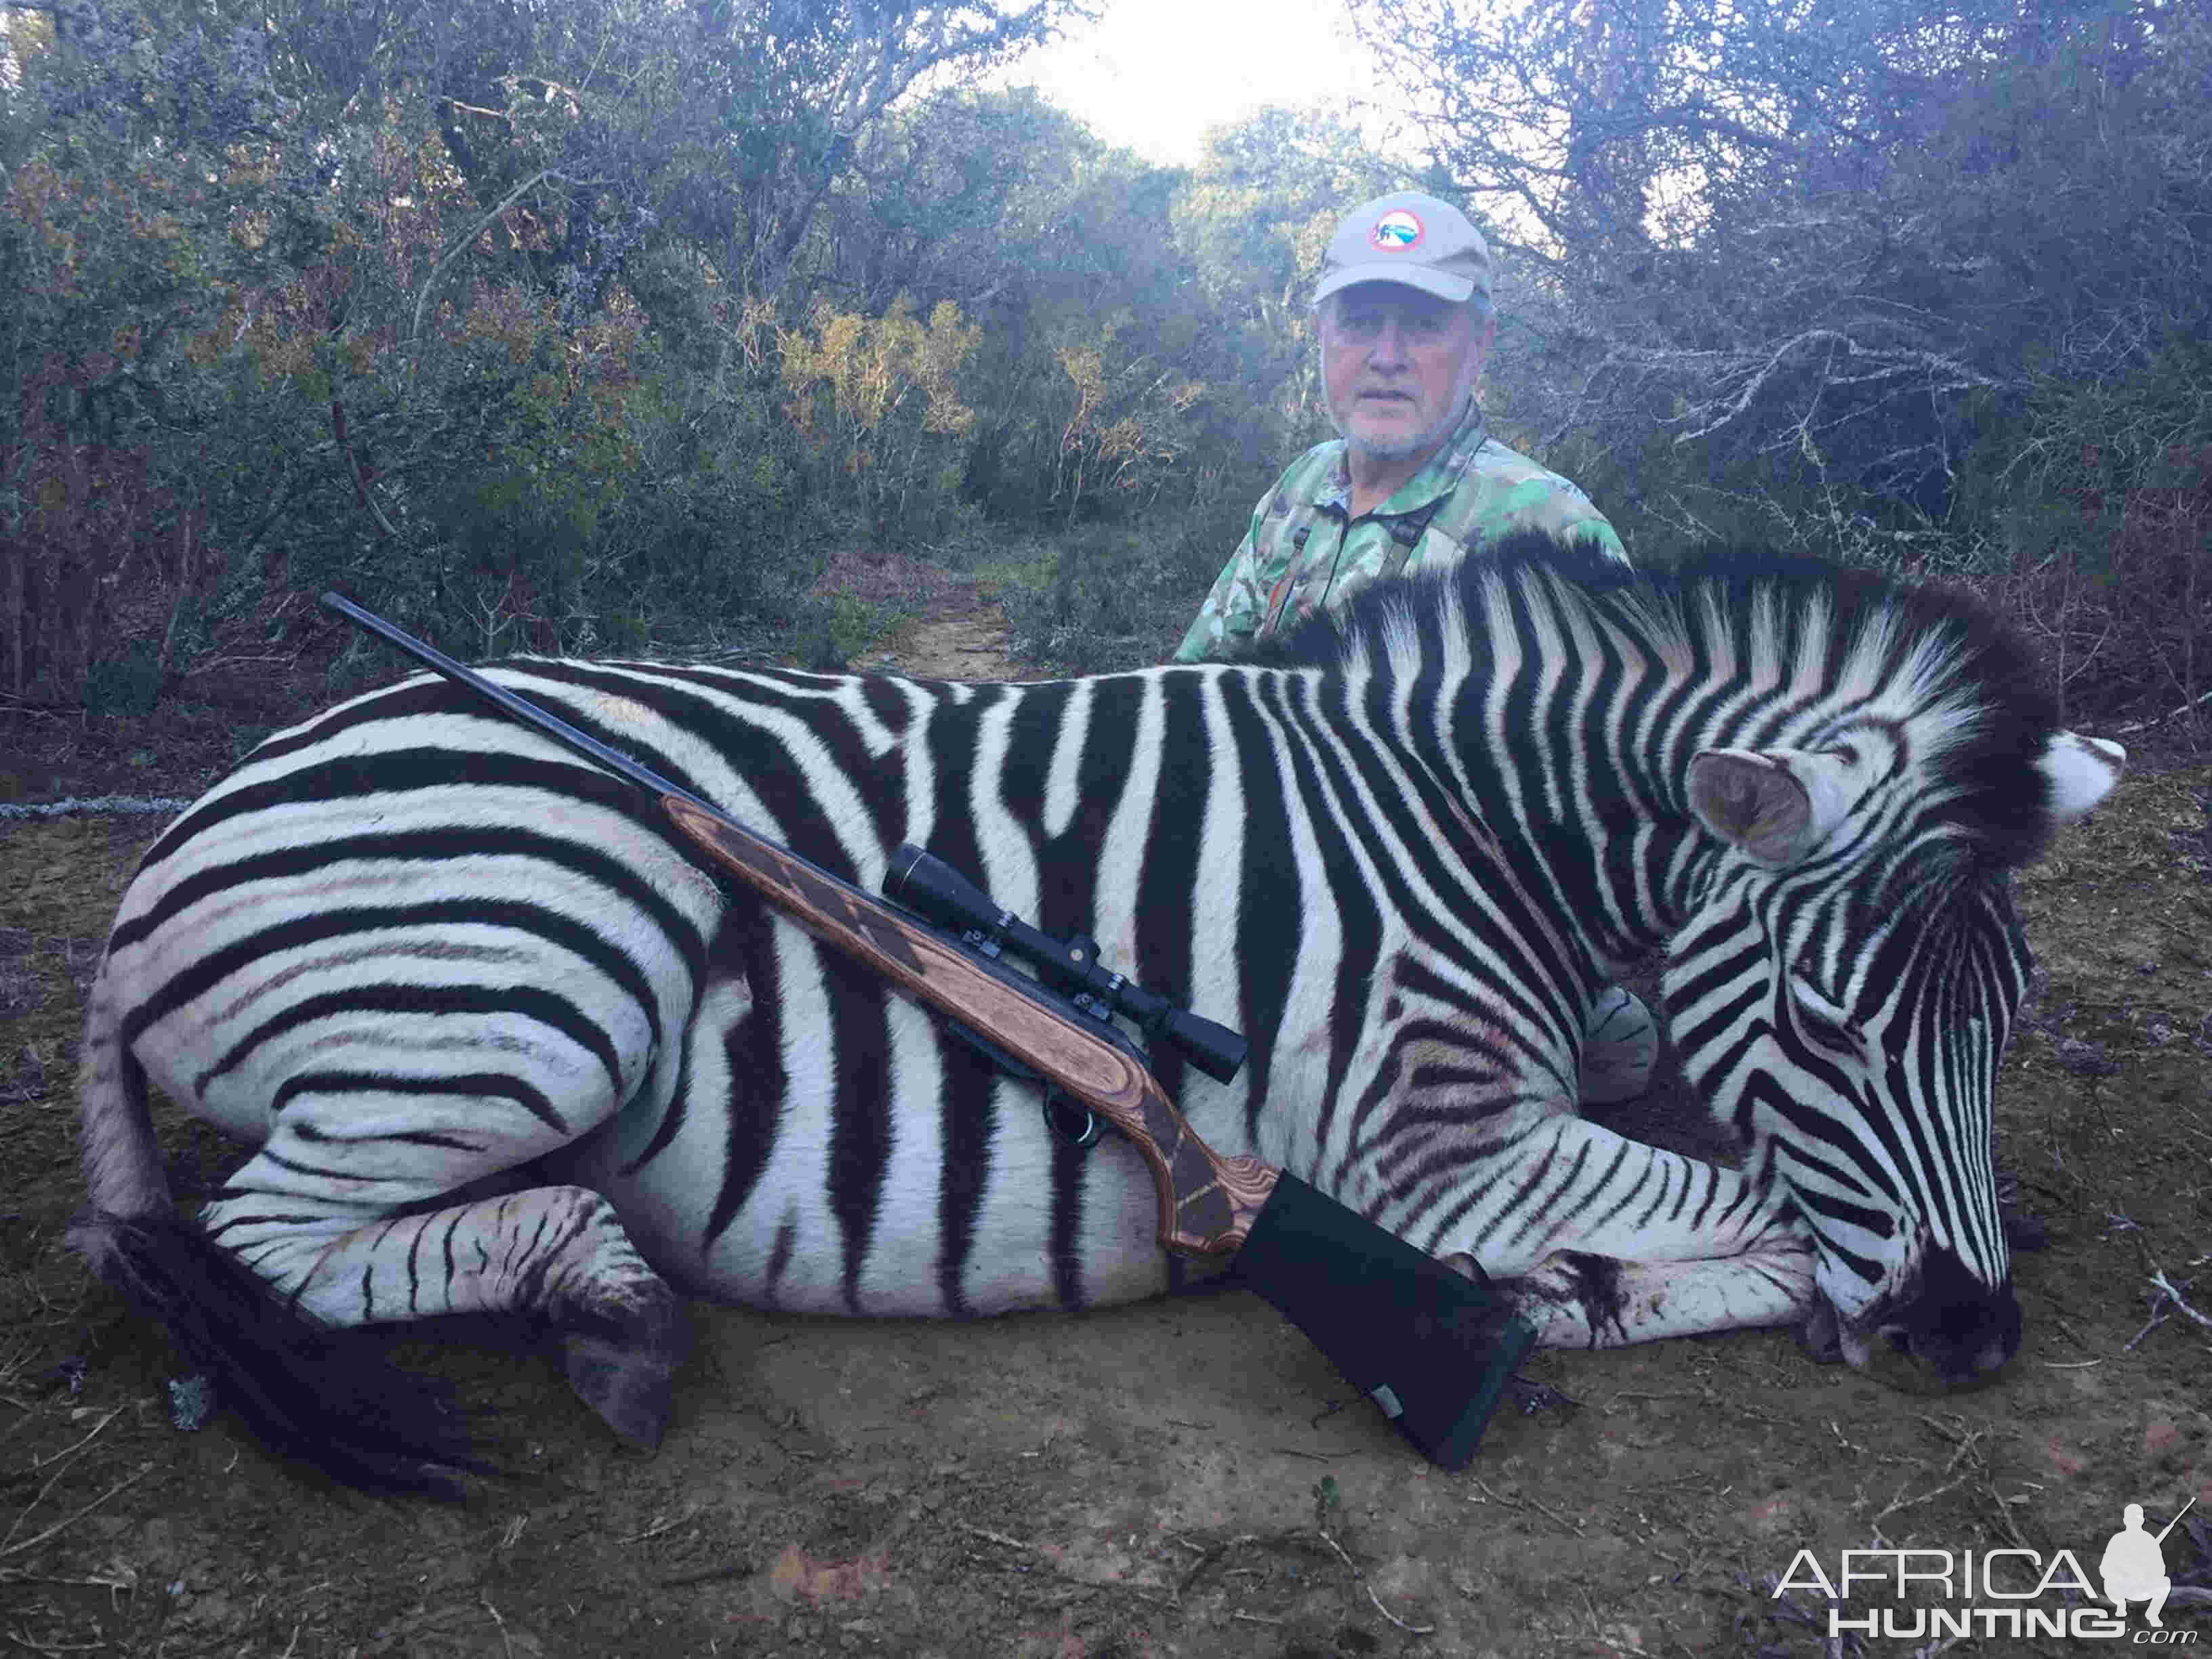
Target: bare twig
[1611,1644]
[660,1524]
[704,1575]
[2180,1302]
[1061,1571]
[2158,1314]
[2165,1301]
[506,1644]
[1359,1573]
[1901,1502]
[1206,1557]
[28,1645]
[355,475]
[1571,1525]
[994,1537]
[71,1520]
[2004,1514]
[48,1462]
[58,1463]
[467,240]
[2143,726]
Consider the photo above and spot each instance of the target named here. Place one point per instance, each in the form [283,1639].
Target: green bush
[1106,597]
[128,685]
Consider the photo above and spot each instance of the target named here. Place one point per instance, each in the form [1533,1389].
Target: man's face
[1395,365]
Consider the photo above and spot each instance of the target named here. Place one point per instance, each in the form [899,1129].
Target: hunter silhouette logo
[1396,231]
[2134,1567]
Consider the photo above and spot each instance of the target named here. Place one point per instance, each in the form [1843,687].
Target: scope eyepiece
[1212,1046]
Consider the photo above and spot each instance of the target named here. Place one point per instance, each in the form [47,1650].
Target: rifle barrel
[521,707]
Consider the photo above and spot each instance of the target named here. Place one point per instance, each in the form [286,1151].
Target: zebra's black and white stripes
[422,956]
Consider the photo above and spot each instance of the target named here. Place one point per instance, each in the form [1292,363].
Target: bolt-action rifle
[1432,1347]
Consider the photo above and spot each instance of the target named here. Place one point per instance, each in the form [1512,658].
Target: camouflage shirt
[1304,551]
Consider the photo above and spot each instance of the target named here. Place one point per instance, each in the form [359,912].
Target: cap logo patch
[1396,232]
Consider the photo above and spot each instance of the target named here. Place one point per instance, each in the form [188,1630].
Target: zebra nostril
[1963,1341]
[1953,1325]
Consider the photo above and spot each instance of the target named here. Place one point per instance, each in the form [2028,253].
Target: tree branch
[429,283]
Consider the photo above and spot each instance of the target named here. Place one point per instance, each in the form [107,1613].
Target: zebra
[503,1048]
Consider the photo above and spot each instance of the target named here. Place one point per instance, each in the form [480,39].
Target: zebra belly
[743,1191]
[1056,1226]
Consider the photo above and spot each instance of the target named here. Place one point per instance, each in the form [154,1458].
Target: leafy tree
[471,310]
[880,400]
[1782,268]
[1254,218]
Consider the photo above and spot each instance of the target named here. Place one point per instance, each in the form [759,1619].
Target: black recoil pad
[1404,1328]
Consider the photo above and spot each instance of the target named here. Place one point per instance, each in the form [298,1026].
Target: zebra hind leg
[390,1185]
[305,1391]
[557,1255]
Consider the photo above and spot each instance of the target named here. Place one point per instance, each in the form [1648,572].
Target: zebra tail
[322,1397]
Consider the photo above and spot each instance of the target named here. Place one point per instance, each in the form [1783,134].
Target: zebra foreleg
[1566,1184]
[556,1254]
[1581,1301]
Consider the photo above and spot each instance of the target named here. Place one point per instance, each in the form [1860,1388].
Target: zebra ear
[2081,772]
[1776,805]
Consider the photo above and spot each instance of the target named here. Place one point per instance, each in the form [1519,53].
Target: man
[1414,481]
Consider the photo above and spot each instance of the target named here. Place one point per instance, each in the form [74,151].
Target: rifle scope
[925,882]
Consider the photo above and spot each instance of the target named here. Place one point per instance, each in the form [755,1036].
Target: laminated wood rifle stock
[1207,1202]
[1432,1347]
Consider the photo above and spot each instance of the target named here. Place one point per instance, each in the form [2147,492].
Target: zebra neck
[1578,761]
[1589,825]
[1600,830]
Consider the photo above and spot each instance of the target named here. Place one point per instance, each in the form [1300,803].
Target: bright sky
[1152,75]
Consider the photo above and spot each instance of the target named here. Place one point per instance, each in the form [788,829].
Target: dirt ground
[1181,1478]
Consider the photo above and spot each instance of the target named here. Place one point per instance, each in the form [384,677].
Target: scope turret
[925,882]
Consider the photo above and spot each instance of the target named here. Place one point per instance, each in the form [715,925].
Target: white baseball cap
[1408,238]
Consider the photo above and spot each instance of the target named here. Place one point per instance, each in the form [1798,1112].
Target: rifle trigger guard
[1059,1118]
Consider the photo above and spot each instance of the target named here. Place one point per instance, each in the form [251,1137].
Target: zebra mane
[1943,660]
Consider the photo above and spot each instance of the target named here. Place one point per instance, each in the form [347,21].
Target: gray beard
[1396,450]
[1401,449]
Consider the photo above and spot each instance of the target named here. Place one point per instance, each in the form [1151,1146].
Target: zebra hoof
[634,1392]
[629,1378]
[1620,1046]
[1820,1338]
